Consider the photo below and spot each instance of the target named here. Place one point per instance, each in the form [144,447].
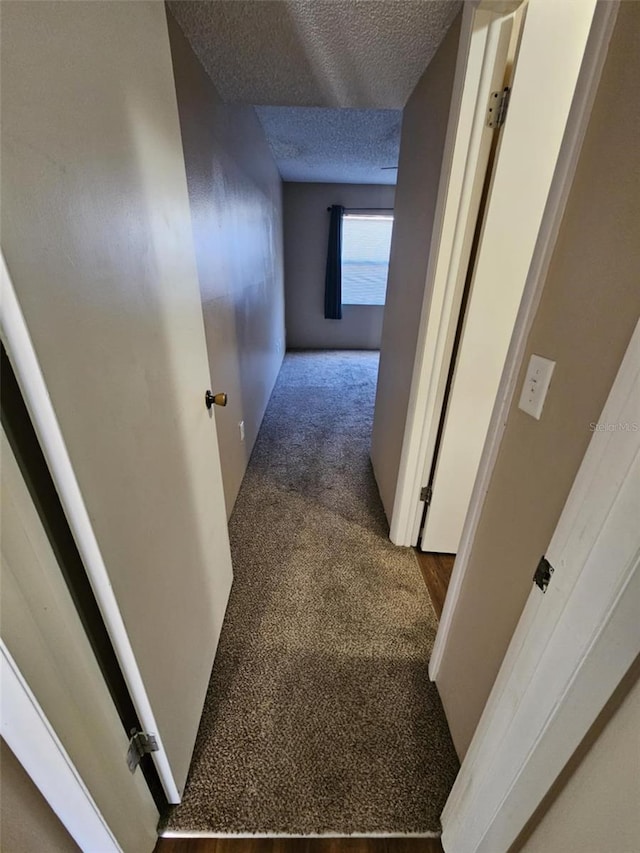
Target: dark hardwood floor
[299,845]
[436,571]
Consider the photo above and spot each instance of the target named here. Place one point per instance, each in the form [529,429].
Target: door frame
[32,739]
[465,160]
[517,191]
[439,316]
[24,361]
[417,424]
[571,648]
[21,436]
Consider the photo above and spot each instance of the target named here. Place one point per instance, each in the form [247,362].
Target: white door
[573,643]
[97,238]
[554,37]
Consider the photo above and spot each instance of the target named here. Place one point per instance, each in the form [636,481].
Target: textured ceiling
[346,55]
[333,146]
[367,54]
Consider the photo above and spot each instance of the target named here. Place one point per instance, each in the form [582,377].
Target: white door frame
[22,355]
[466,155]
[572,646]
[439,310]
[594,57]
[33,741]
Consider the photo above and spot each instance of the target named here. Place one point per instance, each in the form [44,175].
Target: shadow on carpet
[320,716]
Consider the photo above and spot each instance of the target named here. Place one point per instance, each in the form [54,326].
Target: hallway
[320,716]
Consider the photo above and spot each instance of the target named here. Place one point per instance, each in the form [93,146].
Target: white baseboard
[186,834]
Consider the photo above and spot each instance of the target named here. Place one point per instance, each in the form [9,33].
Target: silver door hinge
[498,106]
[426,493]
[141,743]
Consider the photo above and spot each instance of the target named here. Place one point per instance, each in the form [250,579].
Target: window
[366,240]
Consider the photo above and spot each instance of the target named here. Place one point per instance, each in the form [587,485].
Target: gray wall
[424,127]
[306,233]
[235,194]
[587,314]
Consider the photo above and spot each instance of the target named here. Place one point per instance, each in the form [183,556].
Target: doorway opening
[436,556]
[492,211]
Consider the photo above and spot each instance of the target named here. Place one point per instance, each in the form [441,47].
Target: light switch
[536,385]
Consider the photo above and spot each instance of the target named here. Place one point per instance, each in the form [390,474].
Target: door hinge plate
[426,493]
[543,574]
[141,743]
[498,106]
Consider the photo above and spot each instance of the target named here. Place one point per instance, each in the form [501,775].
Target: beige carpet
[320,716]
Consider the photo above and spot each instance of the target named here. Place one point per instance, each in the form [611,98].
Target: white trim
[35,744]
[549,693]
[480,67]
[203,834]
[586,88]
[34,390]
[598,672]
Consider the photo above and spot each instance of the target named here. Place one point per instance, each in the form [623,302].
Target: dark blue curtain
[333,276]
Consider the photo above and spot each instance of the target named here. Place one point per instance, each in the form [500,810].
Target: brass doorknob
[217,399]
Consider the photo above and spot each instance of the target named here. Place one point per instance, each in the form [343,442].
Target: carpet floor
[320,716]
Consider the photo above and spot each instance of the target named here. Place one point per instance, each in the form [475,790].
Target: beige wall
[306,234]
[236,208]
[27,822]
[597,809]
[424,127]
[589,308]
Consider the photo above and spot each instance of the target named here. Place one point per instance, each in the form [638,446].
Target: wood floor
[299,845]
[436,571]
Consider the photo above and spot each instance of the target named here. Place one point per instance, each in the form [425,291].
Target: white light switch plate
[536,385]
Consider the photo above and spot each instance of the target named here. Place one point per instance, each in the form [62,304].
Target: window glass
[366,241]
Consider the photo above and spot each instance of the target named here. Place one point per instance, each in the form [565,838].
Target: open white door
[105,332]
[554,37]
[573,644]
